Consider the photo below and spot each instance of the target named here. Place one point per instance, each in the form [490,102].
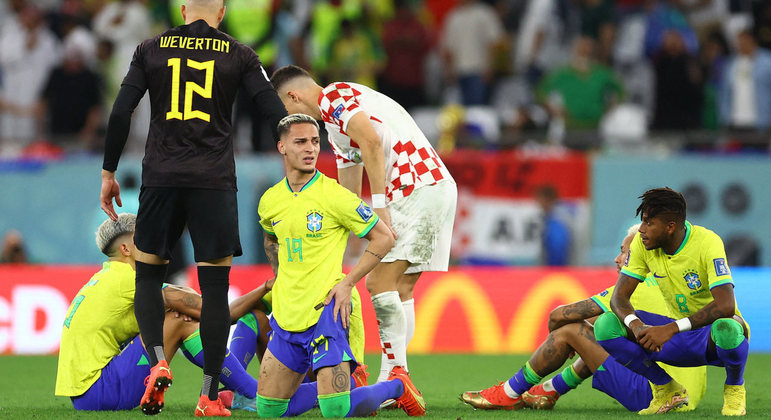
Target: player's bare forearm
[723,306]
[270,242]
[620,303]
[350,178]
[248,302]
[574,312]
[183,300]
[361,131]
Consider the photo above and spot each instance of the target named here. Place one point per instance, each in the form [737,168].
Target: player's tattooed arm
[723,306]
[574,312]
[270,243]
[183,300]
[620,303]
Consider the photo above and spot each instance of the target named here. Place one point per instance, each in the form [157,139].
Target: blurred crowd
[566,72]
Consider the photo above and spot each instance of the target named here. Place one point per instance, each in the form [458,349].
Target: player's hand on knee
[653,338]
[341,293]
[385,216]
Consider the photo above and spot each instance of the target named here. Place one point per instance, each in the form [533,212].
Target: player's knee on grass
[335,405]
[608,326]
[271,407]
[727,333]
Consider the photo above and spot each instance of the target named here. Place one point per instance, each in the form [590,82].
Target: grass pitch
[27,390]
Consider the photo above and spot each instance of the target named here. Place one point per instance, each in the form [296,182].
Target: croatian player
[102,362]
[306,219]
[412,191]
[571,331]
[690,265]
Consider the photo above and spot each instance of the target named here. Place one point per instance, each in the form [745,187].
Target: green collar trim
[688,228]
[307,185]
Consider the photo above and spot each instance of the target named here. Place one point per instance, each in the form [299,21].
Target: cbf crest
[692,279]
[314,219]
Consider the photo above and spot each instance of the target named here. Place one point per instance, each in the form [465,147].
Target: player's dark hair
[287,122]
[287,73]
[665,203]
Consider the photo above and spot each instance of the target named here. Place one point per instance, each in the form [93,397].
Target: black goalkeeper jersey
[193,73]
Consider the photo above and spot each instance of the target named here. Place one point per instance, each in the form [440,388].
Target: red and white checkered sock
[392,327]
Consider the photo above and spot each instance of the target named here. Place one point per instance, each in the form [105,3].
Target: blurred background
[552,115]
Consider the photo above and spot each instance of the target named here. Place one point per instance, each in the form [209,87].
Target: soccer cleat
[493,398]
[666,398]
[540,399]
[734,400]
[209,408]
[242,402]
[156,384]
[360,375]
[411,401]
[226,396]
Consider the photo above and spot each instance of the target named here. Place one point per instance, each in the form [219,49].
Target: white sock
[548,386]
[509,390]
[390,319]
[409,319]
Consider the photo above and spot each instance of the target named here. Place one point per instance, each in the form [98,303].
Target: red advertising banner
[467,310]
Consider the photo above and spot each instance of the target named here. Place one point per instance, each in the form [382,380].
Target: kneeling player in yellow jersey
[572,331]
[689,262]
[102,361]
[306,218]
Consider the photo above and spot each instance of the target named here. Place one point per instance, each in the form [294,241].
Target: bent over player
[689,262]
[412,191]
[306,219]
[192,73]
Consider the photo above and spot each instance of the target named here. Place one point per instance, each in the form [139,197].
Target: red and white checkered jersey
[410,160]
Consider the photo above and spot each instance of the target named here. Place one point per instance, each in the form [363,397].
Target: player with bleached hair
[102,362]
[571,331]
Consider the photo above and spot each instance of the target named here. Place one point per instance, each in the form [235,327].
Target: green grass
[27,390]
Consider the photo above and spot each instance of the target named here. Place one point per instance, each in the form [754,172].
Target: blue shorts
[632,390]
[322,345]
[122,383]
[686,349]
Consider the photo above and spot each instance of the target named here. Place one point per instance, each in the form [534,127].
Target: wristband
[629,318]
[378,201]
[683,324]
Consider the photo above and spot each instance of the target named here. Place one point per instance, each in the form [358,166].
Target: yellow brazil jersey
[685,277]
[100,318]
[356,329]
[311,226]
[647,297]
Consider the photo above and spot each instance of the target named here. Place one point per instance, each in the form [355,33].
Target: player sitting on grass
[102,361]
[571,331]
[306,218]
[689,262]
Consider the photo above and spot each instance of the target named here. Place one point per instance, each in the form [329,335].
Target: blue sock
[243,345]
[567,379]
[233,376]
[734,360]
[524,379]
[366,399]
[303,400]
[633,356]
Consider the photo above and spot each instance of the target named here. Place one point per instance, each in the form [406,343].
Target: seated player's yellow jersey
[647,297]
[356,329]
[100,318]
[685,277]
[311,226]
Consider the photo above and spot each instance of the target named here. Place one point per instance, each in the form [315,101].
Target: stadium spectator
[356,56]
[556,236]
[745,94]
[28,52]
[406,42]
[324,28]
[678,86]
[581,92]
[470,34]
[72,97]
[714,57]
[762,23]
[12,249]
[597,22]
[666,16]
[539,41]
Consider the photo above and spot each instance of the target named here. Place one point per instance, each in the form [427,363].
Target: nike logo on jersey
[276,222]
[316,359]
[657,276]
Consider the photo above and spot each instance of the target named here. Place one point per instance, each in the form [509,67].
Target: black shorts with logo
[210,215]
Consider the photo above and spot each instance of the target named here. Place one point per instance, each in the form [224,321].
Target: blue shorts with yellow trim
[632,390]
[322,345]
[122,383]
[686,349]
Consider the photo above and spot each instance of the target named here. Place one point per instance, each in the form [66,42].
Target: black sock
[215,323]
[149,307]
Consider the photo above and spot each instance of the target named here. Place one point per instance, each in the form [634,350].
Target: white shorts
[423,222]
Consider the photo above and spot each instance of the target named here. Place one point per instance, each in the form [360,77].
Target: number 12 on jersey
[190,88]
